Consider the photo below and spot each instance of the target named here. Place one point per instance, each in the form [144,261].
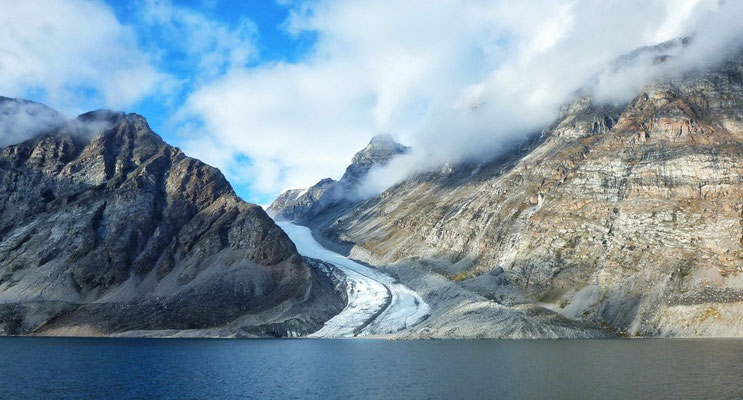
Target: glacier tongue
[377,305]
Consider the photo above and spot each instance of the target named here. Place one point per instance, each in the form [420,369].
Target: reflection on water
[325,369]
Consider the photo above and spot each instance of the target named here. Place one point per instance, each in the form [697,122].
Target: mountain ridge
[297,204]
[106,229]
[579,222]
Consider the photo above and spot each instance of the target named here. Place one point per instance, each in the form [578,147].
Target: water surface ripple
[76,368]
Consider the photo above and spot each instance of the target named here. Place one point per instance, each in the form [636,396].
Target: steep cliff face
[628,216]
[297,204]
[104,228]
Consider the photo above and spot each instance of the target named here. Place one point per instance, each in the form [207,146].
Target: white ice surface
[377,304]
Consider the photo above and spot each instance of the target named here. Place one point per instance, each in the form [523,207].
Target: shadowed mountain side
[117,231]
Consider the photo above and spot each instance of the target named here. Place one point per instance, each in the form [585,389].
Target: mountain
[20,119]
[622,216]
[297,204]
[105,229]
[380,151]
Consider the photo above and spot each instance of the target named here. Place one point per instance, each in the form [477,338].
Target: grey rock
[106,229]
[625,216]
[380,151]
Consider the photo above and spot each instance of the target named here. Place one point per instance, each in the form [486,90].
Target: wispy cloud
[20,120]
[74,54]
[207,47]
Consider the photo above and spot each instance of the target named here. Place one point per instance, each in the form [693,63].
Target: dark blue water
[37,368]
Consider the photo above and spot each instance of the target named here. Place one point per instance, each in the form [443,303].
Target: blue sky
[148,43]
[280,94]
[272,43]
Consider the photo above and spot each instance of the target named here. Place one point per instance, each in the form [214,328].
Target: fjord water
[78,368]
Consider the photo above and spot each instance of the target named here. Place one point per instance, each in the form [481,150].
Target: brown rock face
[629,215]
[117,231]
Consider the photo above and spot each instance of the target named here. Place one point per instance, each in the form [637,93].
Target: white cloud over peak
[373,70]
[258,112]
[75,52]
[454,79]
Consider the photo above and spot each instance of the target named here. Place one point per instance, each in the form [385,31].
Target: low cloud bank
[520,98]
[456,80]
[22,120]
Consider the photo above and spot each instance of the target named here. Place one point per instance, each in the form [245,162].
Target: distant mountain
[304,203]
[106,229]
[380,151]
[622,216]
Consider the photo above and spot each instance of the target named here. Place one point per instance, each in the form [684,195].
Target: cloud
[74,54]
[371,71]
[207,47]
[454,79]
[273,115]
[524,94]
[20,120]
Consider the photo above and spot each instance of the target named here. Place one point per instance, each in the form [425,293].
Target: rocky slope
[106,229]
[297,204]
[625,216]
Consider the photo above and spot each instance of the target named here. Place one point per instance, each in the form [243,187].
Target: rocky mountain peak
[121,231]
[625,216]
[384,142]
[109,116]
[380,150]
[297,203]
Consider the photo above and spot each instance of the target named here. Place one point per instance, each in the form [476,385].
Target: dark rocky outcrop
[105,228]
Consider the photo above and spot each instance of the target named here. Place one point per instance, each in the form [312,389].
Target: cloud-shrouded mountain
[106,229]
[301,203]
[624,215]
